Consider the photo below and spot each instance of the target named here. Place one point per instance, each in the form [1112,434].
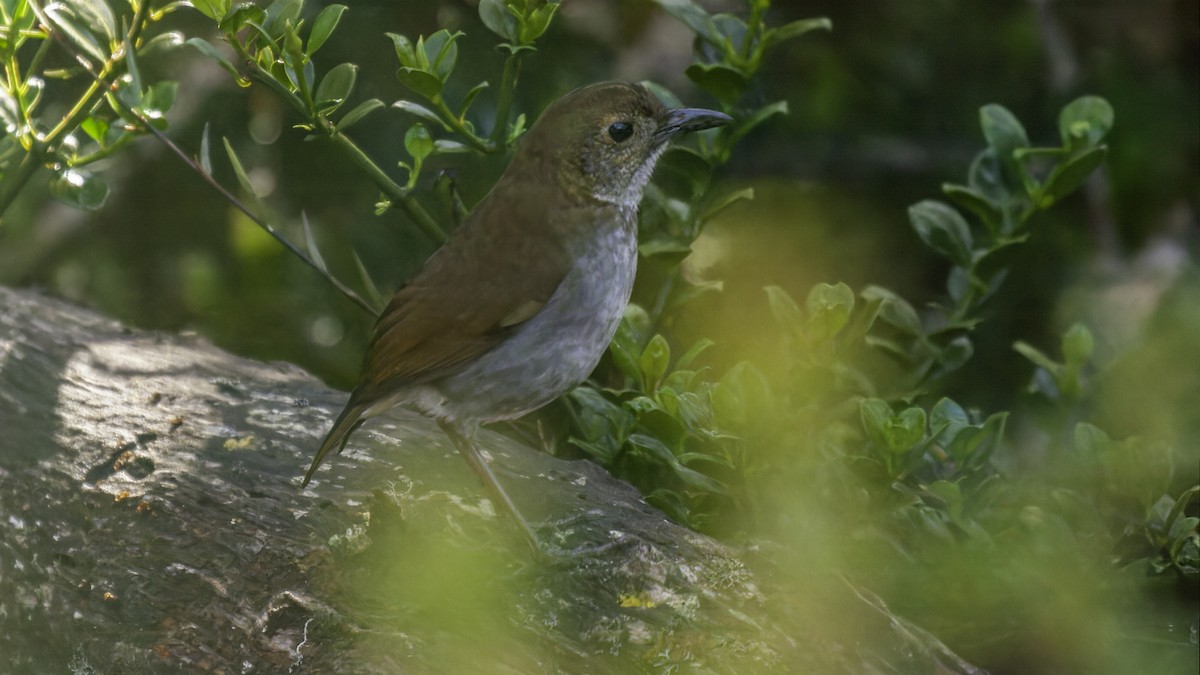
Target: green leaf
[943,229]
[537,22]
[280,15]
[949,493]
[424,83]
[497,18]
[987,177]
[723,82]
[829,309]
[96,129]
[336,87]
[205,155]
[64,18]
[244,14]
[323,27]
[683,172]
[604,426]
[420,111]
[79,189]
[161,43]
[206,48]
[1038,358]
[786,312]
[158,99]
[895,433]
[418,142]
[875,414]
[1077,345]
[469,98]
[659,451]
[10,112]
[97,16]
[895,310]
[697,19]
[626,347]
[238,170]
[213,9]
[444,146]
[360,111]
[950,418]
[741,395]
[974,201]
[973,445]
[310,243]
[515,129]
[442,53]
[1087,119]
[906,429]
[663,94]
[406,53]
[954,355]
[732,31]
[131,92]
[690,355]
[1002,130]
[1068,176]
[761,115]
[793,30]
[654,361]
[368,284]
[1091,440]
[744,194]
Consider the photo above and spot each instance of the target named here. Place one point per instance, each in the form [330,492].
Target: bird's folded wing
[469,296]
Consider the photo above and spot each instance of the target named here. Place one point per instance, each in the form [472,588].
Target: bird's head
[602,141]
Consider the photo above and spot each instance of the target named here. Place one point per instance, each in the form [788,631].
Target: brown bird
[518,307]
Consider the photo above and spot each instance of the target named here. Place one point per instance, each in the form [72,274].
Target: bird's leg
[470,452]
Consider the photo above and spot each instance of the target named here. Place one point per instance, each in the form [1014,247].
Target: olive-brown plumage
[520,304]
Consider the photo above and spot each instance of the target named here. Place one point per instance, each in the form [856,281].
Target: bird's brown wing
[497,272]
[492,276]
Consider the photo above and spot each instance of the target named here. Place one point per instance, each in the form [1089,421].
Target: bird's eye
[619,131]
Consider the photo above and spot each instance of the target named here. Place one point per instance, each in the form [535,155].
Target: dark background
[883,110]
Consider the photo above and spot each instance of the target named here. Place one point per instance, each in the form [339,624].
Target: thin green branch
[456,124]
[508,83]
[38,148]
[393,190]
[237,203]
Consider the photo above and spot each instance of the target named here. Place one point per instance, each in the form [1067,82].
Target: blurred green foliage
[996,432]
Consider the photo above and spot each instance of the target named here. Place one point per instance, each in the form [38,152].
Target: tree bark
[151,520]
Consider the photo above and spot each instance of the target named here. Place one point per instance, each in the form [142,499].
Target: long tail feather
[347,422]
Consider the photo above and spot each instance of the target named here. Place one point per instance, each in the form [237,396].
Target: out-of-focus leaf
[360,111]
[323,26]
[497,18]
[424,83]
[206,48]
[654,361]
[1002,130]
[723,82]
[829,308]
[1087,118]
[696,18]
[761,115]
[79,189]
[943,229]
[418,142]
[795,29]
[336,87]
[213,9]
[1068,176]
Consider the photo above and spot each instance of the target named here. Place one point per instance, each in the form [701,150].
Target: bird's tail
[350,419]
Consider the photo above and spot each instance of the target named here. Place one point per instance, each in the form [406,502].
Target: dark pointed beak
[684,120]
